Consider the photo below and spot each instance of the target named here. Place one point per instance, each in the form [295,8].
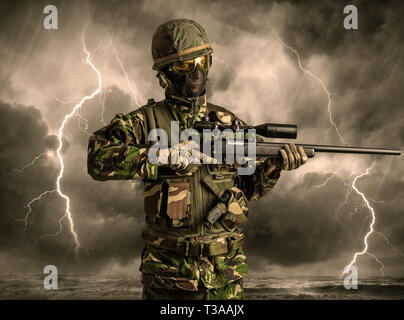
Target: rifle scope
[268,130]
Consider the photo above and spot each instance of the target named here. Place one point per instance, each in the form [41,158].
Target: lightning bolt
[14,171]
[353,185]
[378,261]
[389,243]
[25,220]
[342,204]
[373,220]
[134,94]
[366,204]
[68,214]
[321,83]
[85,123]
[303,195]
[76,111]
[80,117]
[366,201]
[77,108]
[322,185]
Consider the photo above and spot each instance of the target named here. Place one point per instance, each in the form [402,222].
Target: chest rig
[177,206]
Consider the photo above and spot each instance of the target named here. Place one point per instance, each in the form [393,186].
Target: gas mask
[188,77]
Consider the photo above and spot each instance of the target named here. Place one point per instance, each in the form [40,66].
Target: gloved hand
[292,158]
[184,158]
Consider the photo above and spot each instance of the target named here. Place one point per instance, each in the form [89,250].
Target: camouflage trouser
[168,275]
[233,291]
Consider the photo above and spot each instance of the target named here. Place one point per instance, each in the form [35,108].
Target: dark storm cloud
[224,81]
[320,29]
[366,62]
[366,83]
[289,232]
[23,134]
[116,101]
[106,215]
[104,224]
[311,226]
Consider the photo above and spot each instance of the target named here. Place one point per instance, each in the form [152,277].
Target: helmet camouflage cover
[178,40]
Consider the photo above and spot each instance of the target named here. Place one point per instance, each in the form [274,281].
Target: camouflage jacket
[176,206]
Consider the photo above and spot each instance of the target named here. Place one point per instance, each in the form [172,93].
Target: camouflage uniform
[184,258]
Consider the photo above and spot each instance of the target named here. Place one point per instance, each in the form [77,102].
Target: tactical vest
[176,206]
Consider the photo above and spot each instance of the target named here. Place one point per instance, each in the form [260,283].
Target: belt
[196,246]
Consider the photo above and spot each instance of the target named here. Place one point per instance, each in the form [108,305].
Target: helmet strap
[165,82]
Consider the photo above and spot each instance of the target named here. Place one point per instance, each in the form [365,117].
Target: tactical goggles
[189,66]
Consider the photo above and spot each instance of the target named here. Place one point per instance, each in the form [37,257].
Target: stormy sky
[310,224]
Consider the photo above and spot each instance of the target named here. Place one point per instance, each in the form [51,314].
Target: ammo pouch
[237,209]
[231,209]
[169,198]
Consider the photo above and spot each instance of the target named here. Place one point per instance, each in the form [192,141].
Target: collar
[186,110]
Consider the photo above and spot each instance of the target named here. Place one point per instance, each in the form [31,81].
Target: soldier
[185,257]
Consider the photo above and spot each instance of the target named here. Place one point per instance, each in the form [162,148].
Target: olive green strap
[210,248]
[150,122]
[181,53]
[158,116]
[217,188]
[163,118]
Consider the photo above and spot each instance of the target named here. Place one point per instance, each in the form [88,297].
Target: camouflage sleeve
[259,183]
[112,154]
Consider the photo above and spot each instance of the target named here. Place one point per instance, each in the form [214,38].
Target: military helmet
[178,40]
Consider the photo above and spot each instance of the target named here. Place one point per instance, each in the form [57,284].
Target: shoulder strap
[163,118]
[157,115]
[150,121]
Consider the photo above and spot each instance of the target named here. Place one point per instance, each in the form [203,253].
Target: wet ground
[260,288]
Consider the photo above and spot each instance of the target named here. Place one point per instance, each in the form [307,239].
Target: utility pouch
[152,199]
[231,209]
[215,214]
[178,203]
[218,185]
[237,210]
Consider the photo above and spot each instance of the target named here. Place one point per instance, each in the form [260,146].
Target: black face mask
[188,85]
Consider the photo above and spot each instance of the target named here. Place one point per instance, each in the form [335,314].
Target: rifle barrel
[331,149]
[343,149]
